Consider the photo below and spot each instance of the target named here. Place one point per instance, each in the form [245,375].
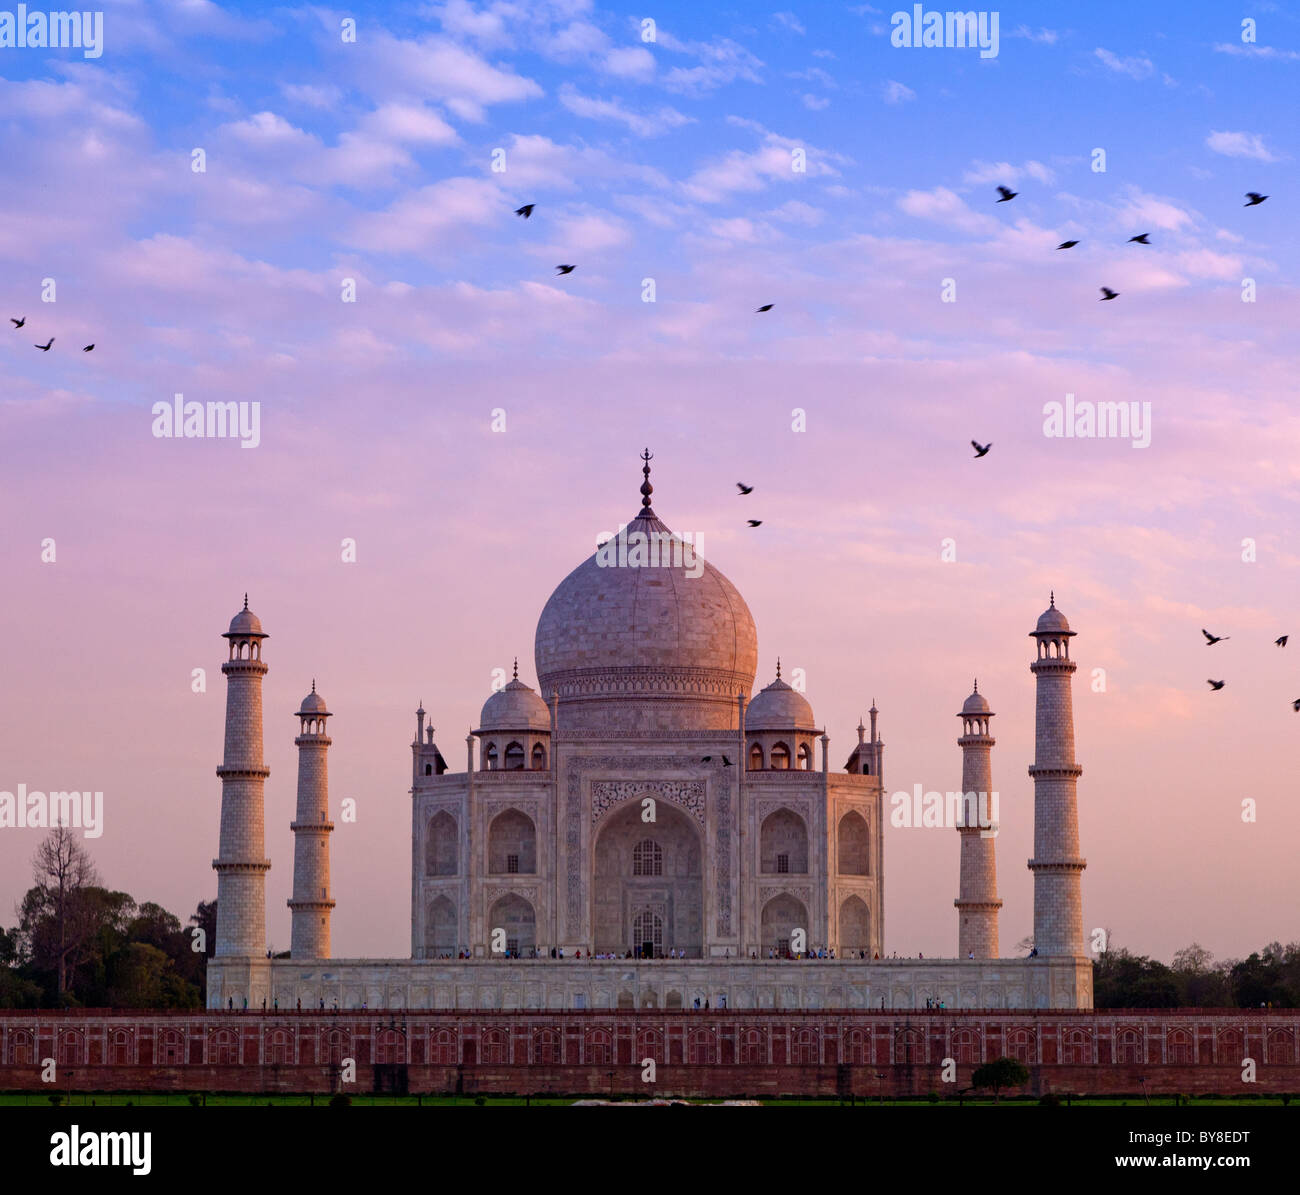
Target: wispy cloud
[1134,68]
[642,124]
[1258,52]
[1240,145]
[896,92]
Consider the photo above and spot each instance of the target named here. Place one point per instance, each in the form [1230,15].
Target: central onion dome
[644,635]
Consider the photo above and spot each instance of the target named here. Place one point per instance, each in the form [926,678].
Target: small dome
[516,707]
[1051,620]
[975,704]
[313,703]
[245,623]
[779,707]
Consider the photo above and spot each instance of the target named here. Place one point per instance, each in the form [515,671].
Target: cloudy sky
[665,163]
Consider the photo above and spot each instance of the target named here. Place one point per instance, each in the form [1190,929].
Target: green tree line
[79,944]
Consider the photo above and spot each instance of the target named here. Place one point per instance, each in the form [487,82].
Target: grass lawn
[181,1100]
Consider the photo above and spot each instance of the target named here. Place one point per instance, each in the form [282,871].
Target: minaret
[241,864]
[978,904]
[1057,866]
[311,903]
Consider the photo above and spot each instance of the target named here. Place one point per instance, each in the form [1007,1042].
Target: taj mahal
[644,830]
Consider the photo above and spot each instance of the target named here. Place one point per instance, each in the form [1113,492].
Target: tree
[63,871]
[1000,1073]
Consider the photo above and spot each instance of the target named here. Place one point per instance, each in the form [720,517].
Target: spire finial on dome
[1053,601]
[778,667]
[313,684]
[646,488]
[516,667]
[245,601]
[977,684]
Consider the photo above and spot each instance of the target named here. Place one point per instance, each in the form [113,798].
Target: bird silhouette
[526,210]
[743,488]
[45,348]
[88,348]
[1211,640]
[1282,642]
[765,307]
[17,323]
[1140,240]
[1107,293]
[755,522]
[980,449]
[1295,705]
[707,759]
[1254,199]
[726,763]
[1006,194]
[1216,685]
[1067,244]
[565,269]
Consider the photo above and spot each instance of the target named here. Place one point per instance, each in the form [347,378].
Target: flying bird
[526,210]
[1282,642]
[45,348]
[726,763]
[1216,685]
[743,488]
[980,449]
[17,323]
[755,522]
[1140,240]
[1254,199]
[1295,705]
[565,269]
[88,348]
[765,307]
[1107,293]
[1006,194]
[1211,640]
[1067,244]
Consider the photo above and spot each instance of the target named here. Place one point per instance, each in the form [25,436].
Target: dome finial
[646,488]
[516,667]
[1052,605]
[245,601]
[977,684]
[313,684]
[778,667]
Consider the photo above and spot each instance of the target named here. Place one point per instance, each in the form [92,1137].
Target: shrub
[341,1100]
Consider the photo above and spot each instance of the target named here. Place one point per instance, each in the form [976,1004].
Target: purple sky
[669,161]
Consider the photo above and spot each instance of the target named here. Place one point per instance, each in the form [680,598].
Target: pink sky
[376,421]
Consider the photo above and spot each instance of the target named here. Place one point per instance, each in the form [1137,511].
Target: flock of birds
[1005,195]
[49,344]
[1253,199]
[1211,640]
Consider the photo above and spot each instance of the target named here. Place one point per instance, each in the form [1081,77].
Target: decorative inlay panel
[689,794]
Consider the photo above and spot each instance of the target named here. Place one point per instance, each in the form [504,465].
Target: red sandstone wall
[718,1053]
